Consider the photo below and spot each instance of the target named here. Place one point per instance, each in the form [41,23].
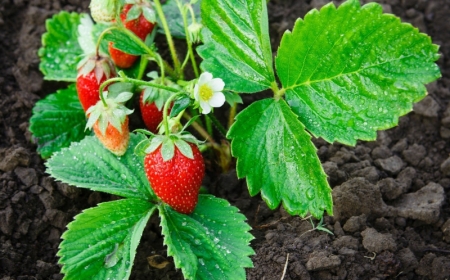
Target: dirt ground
[392,214]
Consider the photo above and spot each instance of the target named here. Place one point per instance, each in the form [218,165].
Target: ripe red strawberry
[114,140]
[151,114]
[92,72]
[176,181]
[109,119]
[120,58]
[141,26]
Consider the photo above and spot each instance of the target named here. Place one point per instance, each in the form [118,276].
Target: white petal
[205,107]
[216,84]
[196,92]
[204,78]
[217,99]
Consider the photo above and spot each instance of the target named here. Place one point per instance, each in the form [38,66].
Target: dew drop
[310,193]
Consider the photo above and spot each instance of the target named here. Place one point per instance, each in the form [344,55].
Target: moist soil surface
[392,215]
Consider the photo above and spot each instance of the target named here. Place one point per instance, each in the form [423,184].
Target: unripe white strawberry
[103,10]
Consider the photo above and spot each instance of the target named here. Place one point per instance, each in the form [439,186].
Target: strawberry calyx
[167,143]
[110,110]
[100,65]
[139,7]
[157,95]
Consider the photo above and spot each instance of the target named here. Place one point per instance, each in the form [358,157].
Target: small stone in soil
[357,196]
[27,176]
[392,165]
[446,231]
[355,223]
[445,167]
[322,260]
[376,242]
[423,205]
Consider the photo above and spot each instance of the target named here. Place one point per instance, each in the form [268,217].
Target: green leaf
[60,51]
[211,243]
[276,154]
[175,19]
[57,121]
[232,98]
[351,71]
[88,164]
[101,242]
[179,105]
[122,41]
[237,45]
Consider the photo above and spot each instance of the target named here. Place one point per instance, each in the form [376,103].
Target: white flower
[208,92]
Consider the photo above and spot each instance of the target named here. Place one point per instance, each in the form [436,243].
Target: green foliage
[101,242]
[64,108]
[60,51]
[121,41]
[276,154]
[211,243]
[351,71]
[88,164]
[237,45]
[345,73]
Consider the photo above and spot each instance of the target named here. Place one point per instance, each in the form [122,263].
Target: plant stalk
[165,26]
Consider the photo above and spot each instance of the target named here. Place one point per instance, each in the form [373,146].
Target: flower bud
[194,30]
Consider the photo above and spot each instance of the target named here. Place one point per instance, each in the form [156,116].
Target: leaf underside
[63,108]
[352,70]
[276,154]
[88,164]
[175,19]
[236,44]
[101,242]
[60,51]
[211,243]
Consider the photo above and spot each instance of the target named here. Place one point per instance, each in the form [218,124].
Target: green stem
[142,67]
[201,130]
[278,93]
[208,125]
[217,124]
[190,52]
[166,112]
[100,38]
[233,111]
[134,81]
[104,85]
[165,26]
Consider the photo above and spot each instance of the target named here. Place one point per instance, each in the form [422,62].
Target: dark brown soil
[392,215]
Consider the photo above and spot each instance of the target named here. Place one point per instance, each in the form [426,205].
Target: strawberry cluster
[174,166]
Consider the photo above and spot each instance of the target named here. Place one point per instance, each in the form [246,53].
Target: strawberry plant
[340,73]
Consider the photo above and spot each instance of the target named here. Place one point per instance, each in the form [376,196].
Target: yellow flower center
[205,92]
